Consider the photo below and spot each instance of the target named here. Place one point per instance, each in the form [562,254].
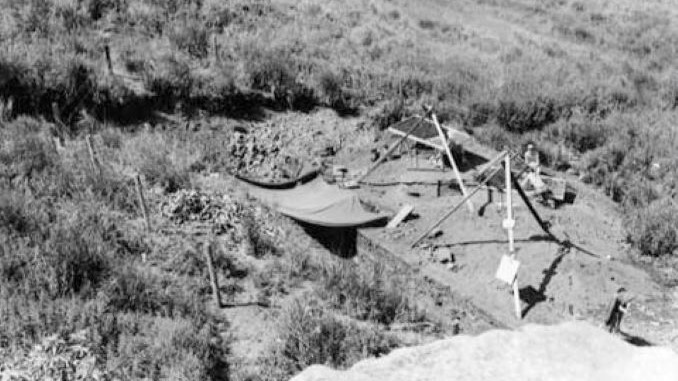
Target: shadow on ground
[635,340]
[533,296]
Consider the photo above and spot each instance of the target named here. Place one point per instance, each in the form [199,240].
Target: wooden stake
[57,144]
[215,47]
[446,146]
[509,223]
[92,155]
[438,185]
[142,202]
[214,280]
[55,112]
[9,109]
[107,51]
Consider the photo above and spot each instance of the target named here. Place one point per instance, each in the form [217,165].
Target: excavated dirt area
[556,283]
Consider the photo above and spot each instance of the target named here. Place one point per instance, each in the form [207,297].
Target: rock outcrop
[569,351]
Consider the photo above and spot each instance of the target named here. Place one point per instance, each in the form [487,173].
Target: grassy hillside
[594,83]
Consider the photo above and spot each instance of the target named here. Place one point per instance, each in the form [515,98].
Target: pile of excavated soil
[569,351]
[277,148]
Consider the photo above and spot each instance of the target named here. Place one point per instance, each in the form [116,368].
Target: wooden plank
[402,214]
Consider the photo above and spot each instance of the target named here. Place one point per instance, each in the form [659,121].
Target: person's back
[532,158]
[532,161]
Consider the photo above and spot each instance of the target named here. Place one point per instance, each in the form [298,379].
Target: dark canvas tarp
[318,203]
[428,131]
[307,174]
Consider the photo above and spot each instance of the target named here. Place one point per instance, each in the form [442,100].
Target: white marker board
[558,188]
[508,269]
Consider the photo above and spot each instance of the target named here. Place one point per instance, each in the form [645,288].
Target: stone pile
[276,154]
[262,155]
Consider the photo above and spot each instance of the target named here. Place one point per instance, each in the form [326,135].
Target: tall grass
[369,294]
[311,334]
[69,261]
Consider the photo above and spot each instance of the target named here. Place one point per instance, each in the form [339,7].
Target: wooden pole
[491,163]
[214,280]
[388,152]
[92,155]
[454,209]
[446,145]
[142,202]
[509,224]
[543,224]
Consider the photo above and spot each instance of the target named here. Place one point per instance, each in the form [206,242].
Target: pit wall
[447,302]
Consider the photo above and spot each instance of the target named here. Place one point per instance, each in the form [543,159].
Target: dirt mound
[223,213]
[569,351]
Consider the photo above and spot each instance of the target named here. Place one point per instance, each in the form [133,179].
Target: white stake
[509,223]
[509,204]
